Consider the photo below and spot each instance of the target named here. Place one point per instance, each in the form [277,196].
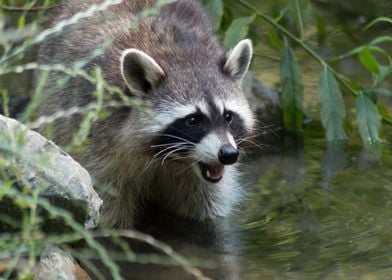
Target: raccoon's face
[200,120]
[206,133]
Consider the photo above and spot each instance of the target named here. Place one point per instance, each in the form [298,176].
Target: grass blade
[377,20]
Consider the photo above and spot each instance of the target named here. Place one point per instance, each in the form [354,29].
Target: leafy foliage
[296,17]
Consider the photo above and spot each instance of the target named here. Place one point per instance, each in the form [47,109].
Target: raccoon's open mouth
[212,172]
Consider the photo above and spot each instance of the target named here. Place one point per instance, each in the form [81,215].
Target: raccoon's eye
[228,117]
[192,120]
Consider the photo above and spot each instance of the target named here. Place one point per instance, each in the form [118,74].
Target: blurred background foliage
[297,27]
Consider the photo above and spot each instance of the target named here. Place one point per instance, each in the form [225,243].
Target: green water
[319,212]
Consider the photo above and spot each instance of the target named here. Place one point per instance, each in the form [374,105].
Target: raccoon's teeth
[215,171]
[212,173]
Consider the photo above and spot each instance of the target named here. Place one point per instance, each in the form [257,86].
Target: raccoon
[183,153]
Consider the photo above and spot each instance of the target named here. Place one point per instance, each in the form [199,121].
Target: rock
[265,102]
[42,164]
[57,265]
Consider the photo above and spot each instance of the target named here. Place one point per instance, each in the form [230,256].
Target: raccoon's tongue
[212,173]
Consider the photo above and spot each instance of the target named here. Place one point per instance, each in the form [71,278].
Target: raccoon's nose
[228,154]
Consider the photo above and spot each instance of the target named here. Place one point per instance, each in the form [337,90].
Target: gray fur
[180,41]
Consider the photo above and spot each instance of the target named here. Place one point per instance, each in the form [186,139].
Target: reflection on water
[333,222]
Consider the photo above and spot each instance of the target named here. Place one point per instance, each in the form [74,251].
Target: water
[319,212]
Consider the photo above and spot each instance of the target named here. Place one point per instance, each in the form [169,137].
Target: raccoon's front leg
[119,209]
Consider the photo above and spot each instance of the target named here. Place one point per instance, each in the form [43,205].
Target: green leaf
[274,40]
[383,91]
[215,8]
[359,49]
[369,120]
[381,39]
[385,114]
[371,95]
[292,92]
[321,29]
[22,21]
[237,31]
[384,72]
[377,20]
[369,61]
[299,11]
[333,112]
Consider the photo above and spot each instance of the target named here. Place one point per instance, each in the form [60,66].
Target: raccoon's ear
[238,60]
[140,71]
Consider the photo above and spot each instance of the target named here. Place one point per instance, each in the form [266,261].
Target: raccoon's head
[201,115]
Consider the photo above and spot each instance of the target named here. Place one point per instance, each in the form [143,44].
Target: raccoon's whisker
[187,168]
[260,146]
[170,153]
[161,152]
[179,158]
[244,138]
[253,136]
[166,144]
[185,134]
[153,147]
[179,138]
[271,128]
[175,146]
